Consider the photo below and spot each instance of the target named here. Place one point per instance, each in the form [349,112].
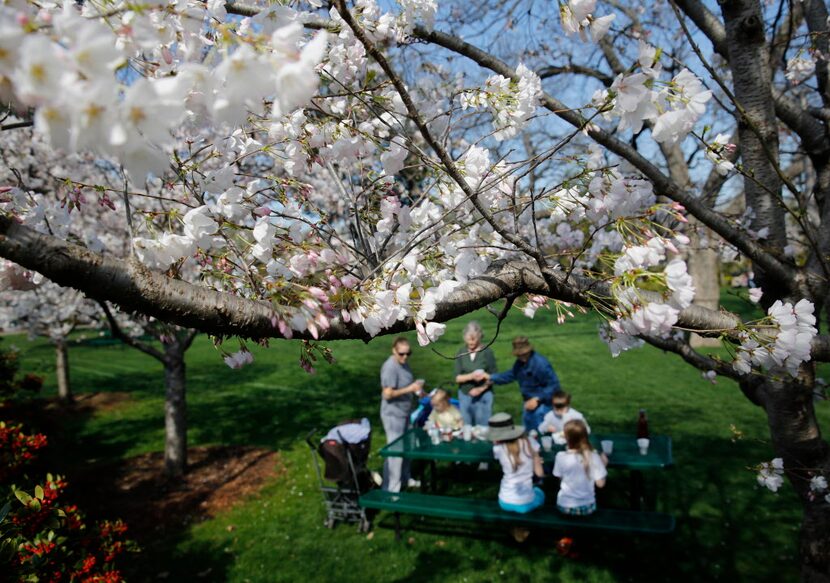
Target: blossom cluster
[786,344]
[69,66]
[800,68]
[637,315]
[512,103]
[577,17]
[239,359]
[715,151]
[771,474]
[674,109]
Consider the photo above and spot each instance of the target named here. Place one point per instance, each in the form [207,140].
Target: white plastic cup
[467,431]
[642,443]
[547,442]
[435,436]
[607,446]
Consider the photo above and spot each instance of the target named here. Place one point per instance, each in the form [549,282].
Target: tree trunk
[62,370]
[796,438]
[704,267]
[175,412]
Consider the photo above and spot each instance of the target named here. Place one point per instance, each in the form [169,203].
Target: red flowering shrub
[16,449]
[44,539]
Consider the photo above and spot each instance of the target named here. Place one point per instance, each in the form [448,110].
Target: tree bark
[175,411]
[758,132]
[704,267]
[62,370]
[796,438]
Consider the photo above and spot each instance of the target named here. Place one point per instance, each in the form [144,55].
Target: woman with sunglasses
[397,387]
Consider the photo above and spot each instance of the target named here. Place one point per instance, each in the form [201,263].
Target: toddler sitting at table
[554,421]
[444,414]
[581,470]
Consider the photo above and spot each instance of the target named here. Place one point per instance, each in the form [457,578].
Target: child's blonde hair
[515,449]
[576,435]
[440,396]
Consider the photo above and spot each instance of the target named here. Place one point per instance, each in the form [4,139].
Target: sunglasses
[560,405]
[404,353]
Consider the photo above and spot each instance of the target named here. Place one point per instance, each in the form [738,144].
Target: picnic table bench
[480,510]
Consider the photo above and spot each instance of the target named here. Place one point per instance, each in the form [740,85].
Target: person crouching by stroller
[519,457]
[444,415]
[581,469]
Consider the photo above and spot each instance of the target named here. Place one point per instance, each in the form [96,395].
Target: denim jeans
[532,419]
[476,411]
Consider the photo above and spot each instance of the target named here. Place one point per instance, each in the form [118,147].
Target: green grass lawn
[727,527]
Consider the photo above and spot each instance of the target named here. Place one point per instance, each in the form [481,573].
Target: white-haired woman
[474,393]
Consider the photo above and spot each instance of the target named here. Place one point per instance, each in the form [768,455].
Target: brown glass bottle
[642,425]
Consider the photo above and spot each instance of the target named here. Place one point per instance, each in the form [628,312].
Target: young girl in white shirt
[581,469]
[518,455]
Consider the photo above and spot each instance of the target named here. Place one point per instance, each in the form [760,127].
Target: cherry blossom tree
[175,341]
[49,311]
[45,309]
[287,172]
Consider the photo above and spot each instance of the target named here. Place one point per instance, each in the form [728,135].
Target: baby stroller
[344,477]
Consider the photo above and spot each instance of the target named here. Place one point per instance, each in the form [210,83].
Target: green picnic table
[415,444]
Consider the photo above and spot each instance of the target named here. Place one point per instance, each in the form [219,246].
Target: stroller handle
[308,438]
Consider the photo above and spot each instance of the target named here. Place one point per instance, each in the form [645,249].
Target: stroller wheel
[329,523]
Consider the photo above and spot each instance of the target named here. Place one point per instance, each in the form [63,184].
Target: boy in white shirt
[554,421]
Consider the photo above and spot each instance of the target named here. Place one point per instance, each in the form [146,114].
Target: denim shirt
[536,378]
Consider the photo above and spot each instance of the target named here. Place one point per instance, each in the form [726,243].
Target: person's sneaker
[520,533]
[377,479]
[483,467]
[564,546]
[413,483]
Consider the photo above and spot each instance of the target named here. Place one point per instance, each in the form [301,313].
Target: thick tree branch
[136,288]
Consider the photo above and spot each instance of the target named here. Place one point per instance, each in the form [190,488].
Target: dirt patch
[137,491]
[95,402]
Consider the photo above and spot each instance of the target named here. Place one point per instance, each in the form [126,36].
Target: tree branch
[552,71]
[810,130]
[136,288]
[662,183]
[691,356]
[117,332]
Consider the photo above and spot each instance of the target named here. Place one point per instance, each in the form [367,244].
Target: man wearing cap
[537,381]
